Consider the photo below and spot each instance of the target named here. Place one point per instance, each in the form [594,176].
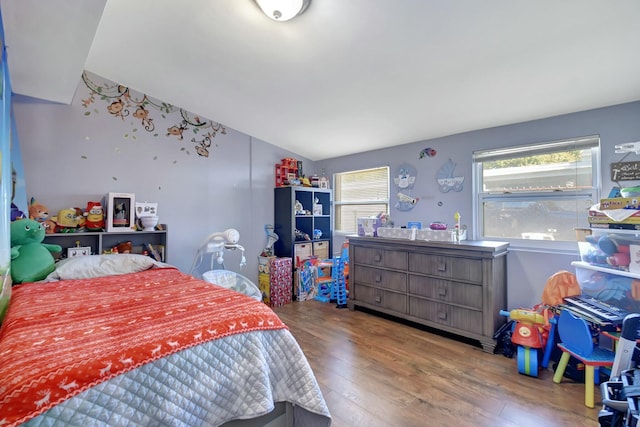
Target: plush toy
[125,247]
[69,220]
[38,211]
[31,260]
[94,217]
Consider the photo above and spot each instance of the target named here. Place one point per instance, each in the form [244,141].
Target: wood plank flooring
[377,372]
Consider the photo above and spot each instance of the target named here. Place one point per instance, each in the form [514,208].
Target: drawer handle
[378,299]
[442,291]
[442,267]
[442,315]
[377,257]
[378,278]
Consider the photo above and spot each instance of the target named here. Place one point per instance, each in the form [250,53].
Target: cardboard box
[620,203]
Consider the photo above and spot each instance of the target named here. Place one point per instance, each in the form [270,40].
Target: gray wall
[528,270]
[73,154]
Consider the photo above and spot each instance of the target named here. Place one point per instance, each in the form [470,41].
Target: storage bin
[617,249]
[615,287]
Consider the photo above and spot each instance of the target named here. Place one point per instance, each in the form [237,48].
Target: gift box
[275,281]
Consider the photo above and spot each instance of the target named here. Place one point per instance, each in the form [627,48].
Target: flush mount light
[283,10]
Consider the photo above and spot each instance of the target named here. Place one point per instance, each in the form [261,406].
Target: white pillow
[90,266]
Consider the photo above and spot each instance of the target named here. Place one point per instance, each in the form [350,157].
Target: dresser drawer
[446,290]
[445,314]
[380,257]
[467,269]
[387,279]
[381,298]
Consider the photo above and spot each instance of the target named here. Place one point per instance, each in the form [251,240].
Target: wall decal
[122,103]
[428,152]
[446,180]
[404,180]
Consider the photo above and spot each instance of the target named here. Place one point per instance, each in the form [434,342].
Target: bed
[117,340]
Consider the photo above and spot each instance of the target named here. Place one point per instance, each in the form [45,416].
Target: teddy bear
[39,212]
[31,260]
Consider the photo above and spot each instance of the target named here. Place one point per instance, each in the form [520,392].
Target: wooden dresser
[459,288]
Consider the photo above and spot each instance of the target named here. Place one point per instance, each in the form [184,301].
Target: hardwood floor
[378,372]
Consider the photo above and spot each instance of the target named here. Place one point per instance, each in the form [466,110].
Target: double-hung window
[536,192]
[360,193]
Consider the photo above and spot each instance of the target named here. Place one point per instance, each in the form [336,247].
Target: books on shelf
[155,251]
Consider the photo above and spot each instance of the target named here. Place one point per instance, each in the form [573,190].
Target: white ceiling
[345,76]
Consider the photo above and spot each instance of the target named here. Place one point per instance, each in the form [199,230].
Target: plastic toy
[531,333]
[31,260]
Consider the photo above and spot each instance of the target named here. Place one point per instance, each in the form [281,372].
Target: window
[536,192]
[360,193]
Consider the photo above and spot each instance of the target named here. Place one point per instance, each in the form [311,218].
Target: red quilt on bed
[60,338]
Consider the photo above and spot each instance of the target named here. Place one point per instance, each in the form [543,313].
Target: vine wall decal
[121,102]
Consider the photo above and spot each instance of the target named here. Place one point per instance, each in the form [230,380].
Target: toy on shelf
[69,220]
[39,212]
[94,217]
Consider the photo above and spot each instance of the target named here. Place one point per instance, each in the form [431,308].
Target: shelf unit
[612,277]
[287,222]
[99,241]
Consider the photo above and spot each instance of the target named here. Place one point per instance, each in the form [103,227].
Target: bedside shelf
[99,241]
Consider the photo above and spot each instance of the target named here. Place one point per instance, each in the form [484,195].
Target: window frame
[337,203]
[592,194]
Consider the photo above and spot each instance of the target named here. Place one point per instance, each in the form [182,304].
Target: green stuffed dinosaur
[31,260]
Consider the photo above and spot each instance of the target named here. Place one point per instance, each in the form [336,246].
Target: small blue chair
[577,341]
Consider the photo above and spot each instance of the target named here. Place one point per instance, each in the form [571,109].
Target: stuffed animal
[69,220]
[125,247]
[38,211]
[31,260]
[94,217]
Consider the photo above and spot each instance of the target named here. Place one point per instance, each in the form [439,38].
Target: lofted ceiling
[345,76]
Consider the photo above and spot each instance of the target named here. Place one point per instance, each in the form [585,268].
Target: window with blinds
[360,193]
[536,192]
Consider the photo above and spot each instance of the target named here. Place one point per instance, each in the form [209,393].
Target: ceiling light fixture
[283,10]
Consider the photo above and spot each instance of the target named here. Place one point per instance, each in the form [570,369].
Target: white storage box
[424,234]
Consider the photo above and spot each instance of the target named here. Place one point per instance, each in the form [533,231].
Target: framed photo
[121,212]
[78,251]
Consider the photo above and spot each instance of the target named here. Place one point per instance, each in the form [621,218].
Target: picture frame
[78,251]
[121,212]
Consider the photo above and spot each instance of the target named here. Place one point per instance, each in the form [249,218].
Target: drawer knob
[442,291]
[378,299]
[442,315]
[378,278]
[442,267]
[377,258]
